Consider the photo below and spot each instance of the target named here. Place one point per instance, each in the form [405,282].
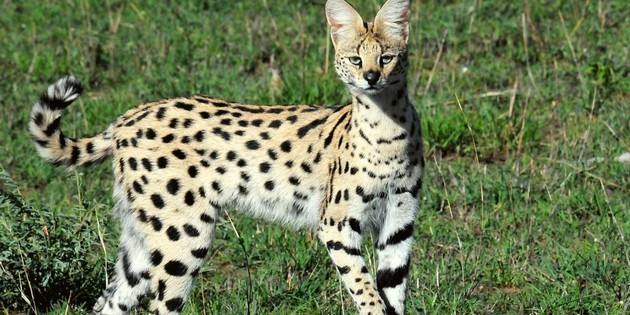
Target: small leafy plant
[44,255]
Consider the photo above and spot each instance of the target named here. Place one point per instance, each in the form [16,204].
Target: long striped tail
[50,141]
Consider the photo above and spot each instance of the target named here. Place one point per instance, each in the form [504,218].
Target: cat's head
[370,57]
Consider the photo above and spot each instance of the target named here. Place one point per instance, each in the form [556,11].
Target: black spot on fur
[137,187]
[160,290]
[161,113]
[275,124]
[132,279]
[172,186]
[252,145]
[192,171]
[156,257]
[276,110]
[250,109]
[62,141]
[147,164]
[388,278]
[162,162]
[313,124]
[200,99]
[157,200]
[216,186]
[188,122]
[285,146]
[53,127]
[199,252]
[184,106]
[142,116]
[191,230]
[242,190]
[74,156]
[332,131]
[219,103]
[189,198]
[318,158]
[300,196]
[399,236]
[343,270]
[306,168]
[206,218]
[39,119]
[156,223]
[245,176]
[168,138]
[172,233]
[269,185]
[219,132]
[200,135]
[151,134]
[338,197]
[339,246]
[175,268]
[292,119]
[44,143]
[179,154]
[142,216]
[264,167]
[355,225]
[272,154]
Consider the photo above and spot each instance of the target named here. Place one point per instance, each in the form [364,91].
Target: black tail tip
[62,93]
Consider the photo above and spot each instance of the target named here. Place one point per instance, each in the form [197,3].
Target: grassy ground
[525,107]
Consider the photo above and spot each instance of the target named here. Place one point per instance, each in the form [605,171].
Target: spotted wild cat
[343,171]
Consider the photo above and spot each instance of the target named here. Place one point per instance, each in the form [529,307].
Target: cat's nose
[371,77]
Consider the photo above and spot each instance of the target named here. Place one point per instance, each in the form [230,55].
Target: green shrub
[44,255]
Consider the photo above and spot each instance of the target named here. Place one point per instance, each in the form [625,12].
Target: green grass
[524,105]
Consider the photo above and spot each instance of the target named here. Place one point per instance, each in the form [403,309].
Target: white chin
[365,90]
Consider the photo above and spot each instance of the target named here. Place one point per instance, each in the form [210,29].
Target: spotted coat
[340,170]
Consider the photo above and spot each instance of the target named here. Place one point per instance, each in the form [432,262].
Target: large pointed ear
[343,19]
[392,20]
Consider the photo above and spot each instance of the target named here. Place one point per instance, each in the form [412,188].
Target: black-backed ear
[392,20]
[343,19]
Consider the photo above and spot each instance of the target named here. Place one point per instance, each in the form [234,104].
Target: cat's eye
[355,60]
[386,59]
